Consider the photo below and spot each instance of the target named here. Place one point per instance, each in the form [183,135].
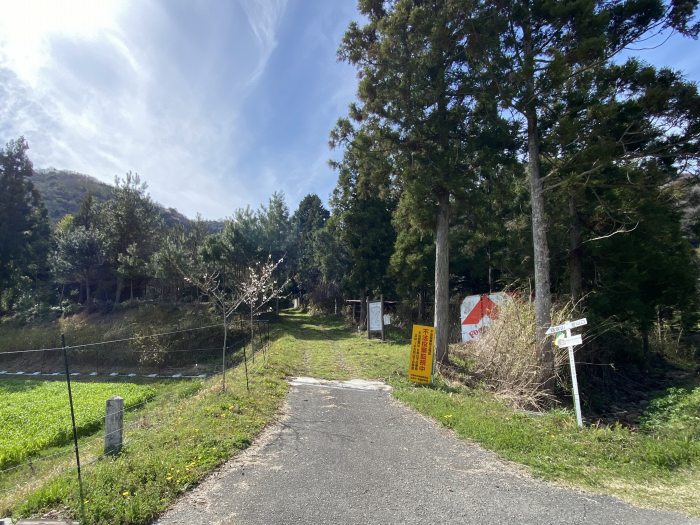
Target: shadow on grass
[309,328]
[12,386]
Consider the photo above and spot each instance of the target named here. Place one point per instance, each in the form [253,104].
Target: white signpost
[569,341]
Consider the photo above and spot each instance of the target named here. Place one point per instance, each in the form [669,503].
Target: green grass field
[35,415]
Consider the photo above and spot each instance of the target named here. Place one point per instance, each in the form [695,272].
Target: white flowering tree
[259,288]
[255,289]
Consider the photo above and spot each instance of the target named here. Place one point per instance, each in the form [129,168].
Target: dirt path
[347,452]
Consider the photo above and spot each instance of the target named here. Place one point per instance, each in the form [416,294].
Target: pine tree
[24,227]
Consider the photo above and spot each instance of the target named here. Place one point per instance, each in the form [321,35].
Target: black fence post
[245,365]
[75,430]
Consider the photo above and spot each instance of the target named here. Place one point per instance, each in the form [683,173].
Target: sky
[216,104]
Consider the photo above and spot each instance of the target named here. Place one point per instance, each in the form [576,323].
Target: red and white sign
[477,312]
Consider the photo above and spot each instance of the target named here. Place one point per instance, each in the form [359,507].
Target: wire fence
[193,353]
[179,354]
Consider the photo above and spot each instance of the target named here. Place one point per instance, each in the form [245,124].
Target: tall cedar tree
[309,218]
[24,227]
[528,50]
[363,203]
[416,87]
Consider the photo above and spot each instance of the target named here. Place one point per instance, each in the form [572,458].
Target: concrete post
[114,425]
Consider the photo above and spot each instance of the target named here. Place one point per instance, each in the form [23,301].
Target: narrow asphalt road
[349,453]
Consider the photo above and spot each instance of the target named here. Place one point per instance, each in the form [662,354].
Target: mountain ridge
[63,190]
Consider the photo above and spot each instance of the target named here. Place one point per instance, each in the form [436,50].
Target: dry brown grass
[504,360]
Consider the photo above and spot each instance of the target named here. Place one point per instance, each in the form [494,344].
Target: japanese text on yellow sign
[420,367]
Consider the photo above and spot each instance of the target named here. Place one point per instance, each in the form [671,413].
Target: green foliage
[675,414]
[79,252]
[309,218]
[64,191]
[34,414]
[131,224]
[24,230]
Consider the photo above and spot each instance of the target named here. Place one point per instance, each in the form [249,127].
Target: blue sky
[216,104]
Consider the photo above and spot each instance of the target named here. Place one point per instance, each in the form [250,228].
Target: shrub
[504,359]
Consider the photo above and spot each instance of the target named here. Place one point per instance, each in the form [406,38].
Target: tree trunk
[363,314]
[252,335]
[87,290]
[575,255]
[645,340]
[131,291]
[442,279]
[421,308]
[543,298]
[118,294]
[490,270]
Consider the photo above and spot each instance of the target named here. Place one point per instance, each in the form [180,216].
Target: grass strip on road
[658,469]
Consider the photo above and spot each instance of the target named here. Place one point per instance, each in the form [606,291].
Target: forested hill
[62,191]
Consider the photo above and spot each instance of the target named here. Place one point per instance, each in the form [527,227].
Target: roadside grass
[19,481]
[172,444]
[656,468]
[188,429]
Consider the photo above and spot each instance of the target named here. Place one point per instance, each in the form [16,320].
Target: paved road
[349,453]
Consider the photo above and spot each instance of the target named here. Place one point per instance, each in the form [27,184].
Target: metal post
[75,430]
[367,315]
[245,364]
[381,314]
[574,381]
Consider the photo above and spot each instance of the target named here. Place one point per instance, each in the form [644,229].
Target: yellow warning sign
[420,366]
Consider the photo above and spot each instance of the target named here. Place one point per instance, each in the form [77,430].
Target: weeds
[505,361]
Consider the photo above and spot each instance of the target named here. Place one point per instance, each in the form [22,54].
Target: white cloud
[107,87]
[264,18]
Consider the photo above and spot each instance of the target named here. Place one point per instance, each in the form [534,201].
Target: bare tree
[226,300]
[256,289]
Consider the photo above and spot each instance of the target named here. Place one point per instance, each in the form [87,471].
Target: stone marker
[114,425]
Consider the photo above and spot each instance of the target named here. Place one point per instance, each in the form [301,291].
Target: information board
[420,366]
[375,316]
